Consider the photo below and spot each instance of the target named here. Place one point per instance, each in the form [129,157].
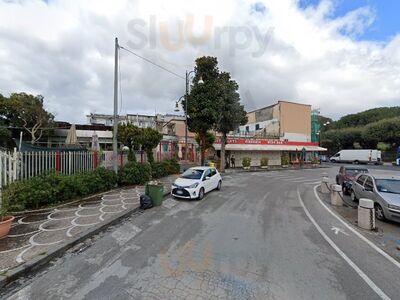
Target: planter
[5,225]
[264,167]
[285,166]
[246,168]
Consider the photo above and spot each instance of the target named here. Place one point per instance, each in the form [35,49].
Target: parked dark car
[346,177]
[384,190]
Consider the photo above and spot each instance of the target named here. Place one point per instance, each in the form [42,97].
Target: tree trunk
[202,147]
[222,163]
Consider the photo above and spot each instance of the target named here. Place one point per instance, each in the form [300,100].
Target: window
[207,173]
[213,172]
[361,179]
[192,174]
[369,184]
[257,126]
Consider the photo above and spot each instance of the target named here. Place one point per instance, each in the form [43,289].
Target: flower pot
[5,225]
[264,167]
[285,166]
[246,168]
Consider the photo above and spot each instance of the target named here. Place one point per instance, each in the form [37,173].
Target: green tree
[204,100]
[131,136]
[26,111]
[368,116]
[150,138]
[208,141]
[231,112]
[386,131]
[324,120]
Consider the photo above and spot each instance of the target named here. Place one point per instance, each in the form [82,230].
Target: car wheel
[356,162]
[201,194]
[333,160]
[219,185]
[379,212]
[353,196]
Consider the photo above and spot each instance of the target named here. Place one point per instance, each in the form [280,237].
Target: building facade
[282,129]
[173,128]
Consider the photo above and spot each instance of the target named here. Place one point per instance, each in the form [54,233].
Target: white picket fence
[24,165]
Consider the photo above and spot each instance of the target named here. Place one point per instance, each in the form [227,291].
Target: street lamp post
[186,108]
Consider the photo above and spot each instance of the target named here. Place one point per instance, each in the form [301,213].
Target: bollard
[325,185]
[336,199]
[366,214]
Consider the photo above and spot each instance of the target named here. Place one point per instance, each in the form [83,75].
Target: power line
[153,63]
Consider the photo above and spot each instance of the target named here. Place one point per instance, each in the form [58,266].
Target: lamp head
[176,107]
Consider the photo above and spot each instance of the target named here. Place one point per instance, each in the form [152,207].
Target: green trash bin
[155,192]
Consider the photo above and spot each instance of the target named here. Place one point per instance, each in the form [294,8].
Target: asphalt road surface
[265,235]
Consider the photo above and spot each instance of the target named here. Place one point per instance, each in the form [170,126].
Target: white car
[195,182]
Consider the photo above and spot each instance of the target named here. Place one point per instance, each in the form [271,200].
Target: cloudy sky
[341,56]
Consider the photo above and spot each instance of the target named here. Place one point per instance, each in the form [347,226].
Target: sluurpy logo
[175,36]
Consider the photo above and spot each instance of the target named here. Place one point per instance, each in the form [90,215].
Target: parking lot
[265,235]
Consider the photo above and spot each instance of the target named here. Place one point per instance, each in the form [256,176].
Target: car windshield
[354,172]
[192,174]
[388,185]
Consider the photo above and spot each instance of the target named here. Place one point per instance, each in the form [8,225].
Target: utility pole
[115,116]
[186,116]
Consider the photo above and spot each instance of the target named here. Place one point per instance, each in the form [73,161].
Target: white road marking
[379,250]
[367,280]
[305,180]
[336,230]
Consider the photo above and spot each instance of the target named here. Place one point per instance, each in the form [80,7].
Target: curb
[240,170]
[39,262]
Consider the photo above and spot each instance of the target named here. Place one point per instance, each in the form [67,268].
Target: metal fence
[24,165]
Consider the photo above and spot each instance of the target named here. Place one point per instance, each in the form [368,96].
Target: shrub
[264,161]
[134,173]
[158,170]
[285,160]
[246,161]
[171,166]
[53,188]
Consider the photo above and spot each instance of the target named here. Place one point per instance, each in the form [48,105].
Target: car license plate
[180,192]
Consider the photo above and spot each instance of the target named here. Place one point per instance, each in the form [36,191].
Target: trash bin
[155,191]
[211,164]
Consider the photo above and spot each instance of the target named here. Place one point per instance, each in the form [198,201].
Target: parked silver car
[384,190]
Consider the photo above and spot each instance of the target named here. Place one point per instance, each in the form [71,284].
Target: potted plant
[315,161]
[5,222]
[264,163]
[285,161]
[246,161]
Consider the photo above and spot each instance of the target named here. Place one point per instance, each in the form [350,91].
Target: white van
[357,156]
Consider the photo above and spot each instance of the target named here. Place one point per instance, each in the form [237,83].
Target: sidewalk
[37,237]
[387,235]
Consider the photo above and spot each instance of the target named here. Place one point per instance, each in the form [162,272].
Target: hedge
[134,173]
[137,173]
[53,188]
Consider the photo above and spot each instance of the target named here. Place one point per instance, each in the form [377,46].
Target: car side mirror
[207,178]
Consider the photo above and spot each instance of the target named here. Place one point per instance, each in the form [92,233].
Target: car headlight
[193,186]
[394,207]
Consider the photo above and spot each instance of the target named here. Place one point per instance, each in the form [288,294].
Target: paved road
[264,236]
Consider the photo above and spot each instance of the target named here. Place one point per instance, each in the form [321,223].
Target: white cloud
[64,51]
